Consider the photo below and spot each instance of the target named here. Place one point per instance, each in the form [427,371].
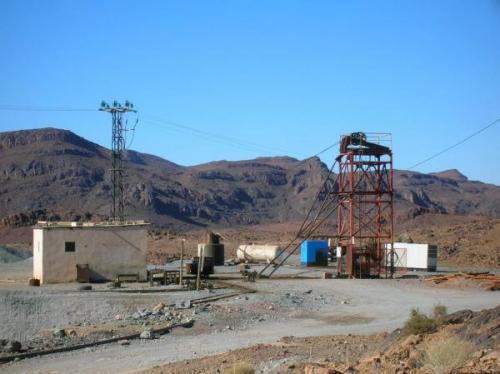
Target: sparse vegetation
[405,237]
[443,356]
[439,313]
[419,323]
[241,368]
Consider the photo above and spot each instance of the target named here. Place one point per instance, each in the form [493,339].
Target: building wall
[108,250]
[38,254]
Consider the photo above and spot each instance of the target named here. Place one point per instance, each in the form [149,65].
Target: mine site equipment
[213,248]
[258,253]
[365,215]
[358,192]
[163,277]
[314,253]
[414,256]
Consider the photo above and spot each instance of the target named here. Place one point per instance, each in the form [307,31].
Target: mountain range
[55,174]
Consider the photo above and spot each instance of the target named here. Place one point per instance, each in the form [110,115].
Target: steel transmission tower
[118,154]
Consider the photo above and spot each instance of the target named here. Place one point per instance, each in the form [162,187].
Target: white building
[414,256]
[105,249]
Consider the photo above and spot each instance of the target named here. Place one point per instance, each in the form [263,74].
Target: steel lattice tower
[365,216]
[118,149]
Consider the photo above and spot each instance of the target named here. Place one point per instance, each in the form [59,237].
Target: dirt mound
[471,344]
[8,254]
[486,281]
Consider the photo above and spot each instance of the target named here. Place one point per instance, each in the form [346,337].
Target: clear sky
[288,75]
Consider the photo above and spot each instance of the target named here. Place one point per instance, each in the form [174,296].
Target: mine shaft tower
[365,214]
[118,155]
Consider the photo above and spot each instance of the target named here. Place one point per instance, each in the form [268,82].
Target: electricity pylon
[118,154]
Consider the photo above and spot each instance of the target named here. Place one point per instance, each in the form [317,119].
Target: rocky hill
[53,173]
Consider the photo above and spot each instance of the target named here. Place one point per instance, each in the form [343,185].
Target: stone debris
[59,333]
[159,314]
[124,342]
[148,334]
[85,287]
[10,346]
[158,307]
[183,304]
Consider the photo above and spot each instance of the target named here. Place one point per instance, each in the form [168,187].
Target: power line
[22,108]
[224,139]
[201,136]
[325,150]
[208,134]
[454,145]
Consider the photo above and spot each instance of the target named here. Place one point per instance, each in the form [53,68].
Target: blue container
[314,252]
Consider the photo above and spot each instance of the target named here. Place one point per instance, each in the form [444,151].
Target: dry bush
[241,368]
[419,323]
[445,355]
[439,313]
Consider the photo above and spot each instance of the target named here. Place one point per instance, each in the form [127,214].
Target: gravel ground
[298,307]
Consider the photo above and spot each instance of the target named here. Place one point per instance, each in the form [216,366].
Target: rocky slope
[53,173]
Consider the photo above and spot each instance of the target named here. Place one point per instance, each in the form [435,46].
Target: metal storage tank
[215,251]
[258,252]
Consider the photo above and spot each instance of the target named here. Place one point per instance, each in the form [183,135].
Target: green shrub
[439,313]
[419,323]
[446,355]
[242,368]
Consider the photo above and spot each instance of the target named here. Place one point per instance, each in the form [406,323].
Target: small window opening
[69,247]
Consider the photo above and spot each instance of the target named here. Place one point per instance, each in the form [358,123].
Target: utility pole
[118,153]
[181,270]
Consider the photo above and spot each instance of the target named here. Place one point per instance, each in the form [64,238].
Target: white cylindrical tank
[257,252]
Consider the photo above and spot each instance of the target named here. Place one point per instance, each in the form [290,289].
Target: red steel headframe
[365,216]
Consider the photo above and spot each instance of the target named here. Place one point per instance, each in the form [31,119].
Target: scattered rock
[188,322]
[124,342]
[12,346]
[147,334]
[319,369]
[158,307]
[71,332]
[183,304]
[458,317]
[85,287]
[59,333]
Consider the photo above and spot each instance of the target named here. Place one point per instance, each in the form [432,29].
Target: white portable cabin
[414,256]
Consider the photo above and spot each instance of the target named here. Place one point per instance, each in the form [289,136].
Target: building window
[69,247]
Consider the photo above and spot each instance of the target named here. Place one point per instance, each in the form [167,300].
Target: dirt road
[281,308]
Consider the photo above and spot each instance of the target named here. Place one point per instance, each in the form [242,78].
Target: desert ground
[232,315]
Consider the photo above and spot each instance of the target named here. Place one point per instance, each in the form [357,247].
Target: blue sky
[288,75]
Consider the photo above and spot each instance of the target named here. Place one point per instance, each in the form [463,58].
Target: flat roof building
[103,250]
